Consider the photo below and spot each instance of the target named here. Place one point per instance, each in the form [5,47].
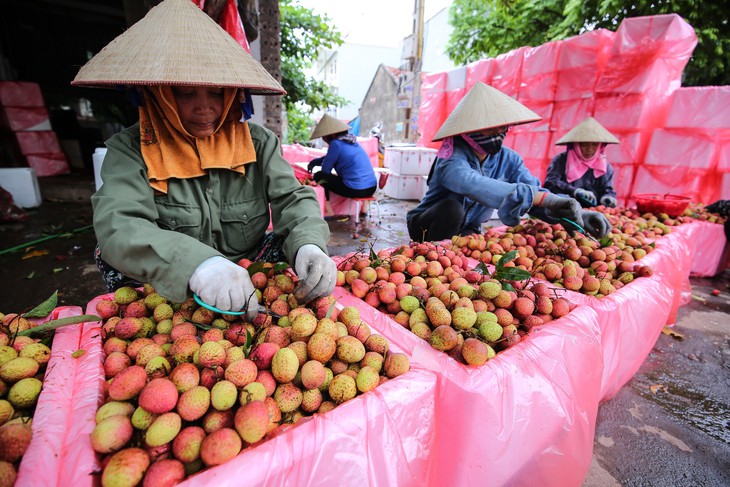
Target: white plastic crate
[405,186]
[22,184]
[414,161]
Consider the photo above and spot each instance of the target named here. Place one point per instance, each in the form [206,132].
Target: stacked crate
[409,167]
[24,119]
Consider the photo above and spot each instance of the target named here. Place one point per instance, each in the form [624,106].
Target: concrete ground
[668,426]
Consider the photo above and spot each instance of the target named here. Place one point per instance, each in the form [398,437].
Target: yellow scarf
[169,151]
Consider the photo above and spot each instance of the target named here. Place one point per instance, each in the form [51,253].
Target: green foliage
[303,34]
[486,28]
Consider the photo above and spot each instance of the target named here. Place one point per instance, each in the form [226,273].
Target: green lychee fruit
[367,379]
[350,349]
[111,434]
[194,403]
[491,331]
[409,304]
[18,368]
[38,352]
[342,388]
[163,429]
[223,395]
[285,364]
[24,393]
[126,467]
[142,419]
[463,318]
[125,295]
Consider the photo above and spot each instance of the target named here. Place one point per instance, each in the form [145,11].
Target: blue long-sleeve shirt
[500,182]
[556,180]
[351,163]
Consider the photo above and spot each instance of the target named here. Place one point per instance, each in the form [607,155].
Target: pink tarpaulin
[699,107]
[64,415]
[526,417]
[712,251]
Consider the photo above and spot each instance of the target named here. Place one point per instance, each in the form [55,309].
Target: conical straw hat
[328,125]
[484,107]
[589,130]
[176,43]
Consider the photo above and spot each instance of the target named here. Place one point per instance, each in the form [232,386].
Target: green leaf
[512,274]
[507,286]
[248,343]
[482,269]
[281,266]
[255,267]
[508,257]
[53,324]
[45,308]
[606,241]
[200,326]
[329,310]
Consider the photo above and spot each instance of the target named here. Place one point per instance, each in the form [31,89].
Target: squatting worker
[188,188]
[473,174]
[582,171]
[355,177]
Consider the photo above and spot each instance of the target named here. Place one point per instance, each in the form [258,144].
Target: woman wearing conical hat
[473,174]
[355,177]
[582,171]
[187,190]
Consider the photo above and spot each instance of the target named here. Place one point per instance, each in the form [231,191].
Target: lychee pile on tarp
[526,417]
[384,437]
[66,407]
[673,140]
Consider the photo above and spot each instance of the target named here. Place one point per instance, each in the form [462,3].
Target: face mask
[491,144]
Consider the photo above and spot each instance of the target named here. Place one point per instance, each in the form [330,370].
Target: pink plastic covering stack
[673,139]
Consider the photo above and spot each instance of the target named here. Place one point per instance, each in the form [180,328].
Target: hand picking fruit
[193,186]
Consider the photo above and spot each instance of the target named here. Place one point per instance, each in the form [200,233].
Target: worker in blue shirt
[355,177]
[474,174]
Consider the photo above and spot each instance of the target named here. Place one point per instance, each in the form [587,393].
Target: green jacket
[161,239]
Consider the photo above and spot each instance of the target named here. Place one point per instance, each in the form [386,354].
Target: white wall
[356,65]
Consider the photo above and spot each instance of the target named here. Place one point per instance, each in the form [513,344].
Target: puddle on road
[690,406]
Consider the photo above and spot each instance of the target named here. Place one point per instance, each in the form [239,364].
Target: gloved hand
[587,196]
[314,163]
[609,201]
[317,274]
[562,207]
[596,223]
[225,285]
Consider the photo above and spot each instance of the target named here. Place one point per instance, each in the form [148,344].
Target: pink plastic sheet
[20,94]
[479,71]
[527,417]
[693,107]
[673,180]
[61,420]
[568,114]
[506,75]
[588,50]
[629,150]
[711,252]
[648,55]
[299,153]
[681,147]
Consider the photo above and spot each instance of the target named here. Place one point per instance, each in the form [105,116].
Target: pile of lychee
[549,253]
[22,368]
[467,314]
[190,389]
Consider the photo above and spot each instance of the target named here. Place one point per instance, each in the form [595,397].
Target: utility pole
[410,83]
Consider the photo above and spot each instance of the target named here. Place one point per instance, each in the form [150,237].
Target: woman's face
[200,108]
[588,149]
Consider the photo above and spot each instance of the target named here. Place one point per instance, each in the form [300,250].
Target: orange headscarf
[169,151]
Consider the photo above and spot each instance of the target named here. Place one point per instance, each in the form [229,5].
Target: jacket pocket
[243,225]
[179,218]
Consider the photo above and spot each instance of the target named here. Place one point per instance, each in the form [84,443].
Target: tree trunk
[270,36]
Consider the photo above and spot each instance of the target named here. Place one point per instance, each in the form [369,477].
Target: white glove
[317,274]
[587,196]
[596,223]
[225,285]
[609,201]
[562,207]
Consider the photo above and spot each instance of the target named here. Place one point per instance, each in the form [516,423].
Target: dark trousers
[334,183]
[443,220]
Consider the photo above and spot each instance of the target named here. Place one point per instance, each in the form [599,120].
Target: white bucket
[98,158]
